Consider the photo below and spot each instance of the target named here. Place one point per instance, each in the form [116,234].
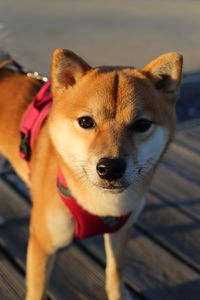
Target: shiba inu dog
[106,132]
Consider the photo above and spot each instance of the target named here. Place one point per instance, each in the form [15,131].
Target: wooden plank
[11,281]
[192,126]
[195,130]
[173,187]
[183,155]
[173,230]
[155,272]
[188,139]
[188,135]
[14,234]
[188,125]
[75,276]
[184,162]
[79,274]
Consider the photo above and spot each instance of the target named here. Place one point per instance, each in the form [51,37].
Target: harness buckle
[24,147]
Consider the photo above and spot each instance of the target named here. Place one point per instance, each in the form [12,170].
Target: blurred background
[128,32]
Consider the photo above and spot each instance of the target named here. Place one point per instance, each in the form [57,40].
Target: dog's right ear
[165,73]
[67,68]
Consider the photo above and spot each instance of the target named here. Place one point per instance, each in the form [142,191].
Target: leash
[7,61]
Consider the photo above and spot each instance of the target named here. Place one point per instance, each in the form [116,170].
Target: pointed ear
[165,72]
[67,68]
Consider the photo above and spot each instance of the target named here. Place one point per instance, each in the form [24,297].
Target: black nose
[111,168]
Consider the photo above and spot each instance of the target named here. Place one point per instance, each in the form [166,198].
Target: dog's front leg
[51,228]
[39,264]
[115,245]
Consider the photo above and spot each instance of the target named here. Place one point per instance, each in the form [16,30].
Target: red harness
[86,224]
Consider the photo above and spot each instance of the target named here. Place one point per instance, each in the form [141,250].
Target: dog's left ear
[67,68]
[165,72]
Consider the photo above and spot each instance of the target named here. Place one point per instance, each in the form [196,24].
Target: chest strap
[87,224]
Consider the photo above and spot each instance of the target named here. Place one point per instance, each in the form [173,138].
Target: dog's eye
[86,122]
[141,125]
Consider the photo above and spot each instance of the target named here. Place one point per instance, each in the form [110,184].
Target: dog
[107,129]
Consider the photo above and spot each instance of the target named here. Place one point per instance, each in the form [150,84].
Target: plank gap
[163,244]
[12,260]
[176,205]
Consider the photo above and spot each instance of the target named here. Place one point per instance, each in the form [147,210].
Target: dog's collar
[86,224]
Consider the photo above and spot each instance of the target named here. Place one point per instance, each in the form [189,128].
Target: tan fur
[114,97]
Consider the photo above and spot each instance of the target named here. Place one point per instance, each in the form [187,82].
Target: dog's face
[111,125]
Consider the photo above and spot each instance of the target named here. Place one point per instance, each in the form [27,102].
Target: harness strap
[33,119]
[87,224]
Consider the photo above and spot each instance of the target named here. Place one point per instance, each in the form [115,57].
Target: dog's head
[111,125]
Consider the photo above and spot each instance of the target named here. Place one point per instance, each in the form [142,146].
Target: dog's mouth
[113,188]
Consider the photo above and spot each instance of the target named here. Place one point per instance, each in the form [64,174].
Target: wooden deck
[163,257]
